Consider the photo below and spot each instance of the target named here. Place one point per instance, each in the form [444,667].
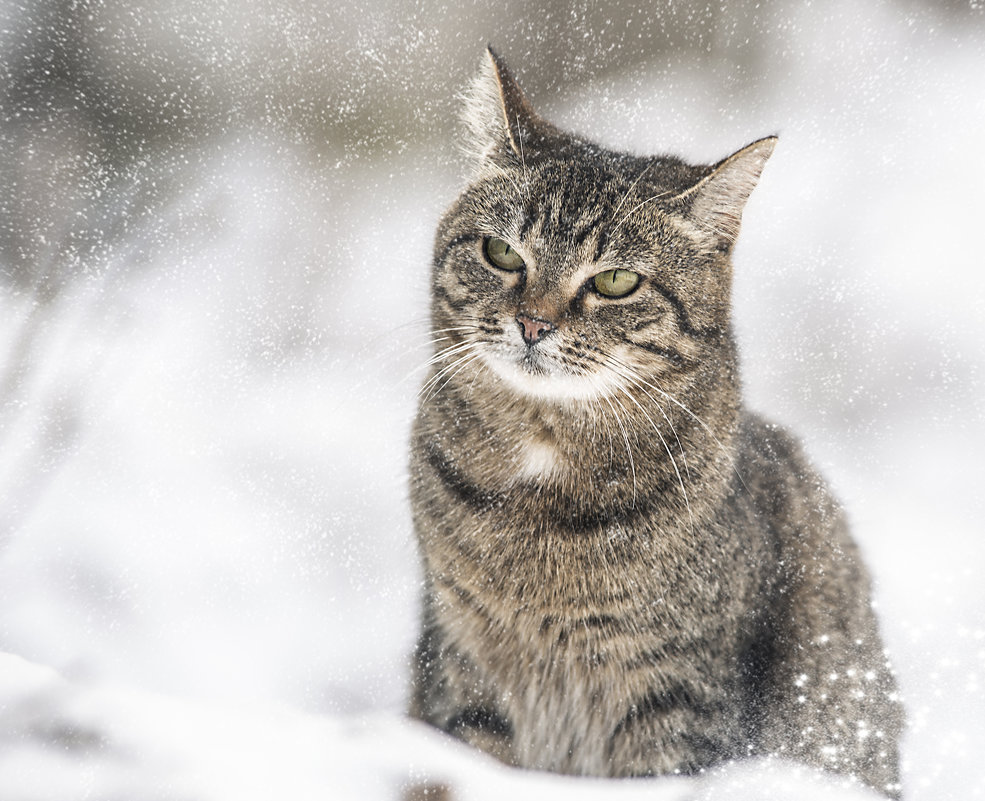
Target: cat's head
[573,272]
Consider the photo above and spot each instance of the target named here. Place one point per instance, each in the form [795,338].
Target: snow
[208,583]
[110,742]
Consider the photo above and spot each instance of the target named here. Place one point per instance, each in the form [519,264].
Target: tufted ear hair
[716,202]
[500,120]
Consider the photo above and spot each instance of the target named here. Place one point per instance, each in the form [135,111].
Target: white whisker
[523,161]
[451,350]
[468,352]
[633,376]
[698,420]
[636,208]
[673,461]
[625,437]
[464,362]
[480,371]
[630,191]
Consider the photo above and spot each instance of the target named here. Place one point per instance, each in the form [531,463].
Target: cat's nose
[533,329]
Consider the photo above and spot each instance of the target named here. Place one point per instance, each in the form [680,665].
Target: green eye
[616,283]
[502,255]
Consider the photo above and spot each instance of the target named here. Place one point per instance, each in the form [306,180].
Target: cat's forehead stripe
[530,217]
[591,226]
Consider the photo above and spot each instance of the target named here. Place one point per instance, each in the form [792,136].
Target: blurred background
[215,225]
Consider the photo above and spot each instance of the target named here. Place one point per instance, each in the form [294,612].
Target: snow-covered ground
[208,583]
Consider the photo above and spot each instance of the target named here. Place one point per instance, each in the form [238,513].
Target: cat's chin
[547,383]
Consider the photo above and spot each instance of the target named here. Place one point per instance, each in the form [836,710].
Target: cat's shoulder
[776,470]
[762,440]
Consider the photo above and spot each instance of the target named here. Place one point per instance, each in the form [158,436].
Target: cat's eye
[616,283]
[501,255]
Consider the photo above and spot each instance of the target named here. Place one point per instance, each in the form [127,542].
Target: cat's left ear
[716,202]
[499,117]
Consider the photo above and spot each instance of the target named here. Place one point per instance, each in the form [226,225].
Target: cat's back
[788,496]
[827,692]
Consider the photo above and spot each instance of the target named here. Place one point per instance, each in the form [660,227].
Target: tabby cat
[626,572]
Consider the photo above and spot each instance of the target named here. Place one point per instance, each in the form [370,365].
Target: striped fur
[626,573]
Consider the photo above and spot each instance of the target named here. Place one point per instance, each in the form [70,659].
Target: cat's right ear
[716,202]
[500,120]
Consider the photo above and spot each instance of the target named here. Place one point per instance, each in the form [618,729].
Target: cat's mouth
[533,372]
[533,362]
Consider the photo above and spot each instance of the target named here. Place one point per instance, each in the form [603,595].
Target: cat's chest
[539,460]
[567,685]
[550,457]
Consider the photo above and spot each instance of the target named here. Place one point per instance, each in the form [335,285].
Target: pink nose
[533,329]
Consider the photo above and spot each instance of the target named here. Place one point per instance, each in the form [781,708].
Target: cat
[626,572]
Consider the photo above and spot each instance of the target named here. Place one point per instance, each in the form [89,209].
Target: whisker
[480,371]
[435,357]
[450,353]
[625,437]
[441,355]
[420,322]
[455,328]
[673,461]
[432,339]
[632,375]
[451,350]
[598,418]
[464,362]
[636,208]
[698,420]
[630,190]
[468,349]
[520,192]
[523,161]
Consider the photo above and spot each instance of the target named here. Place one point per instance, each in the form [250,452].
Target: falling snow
[215,222]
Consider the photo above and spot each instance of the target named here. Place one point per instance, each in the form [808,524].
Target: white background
[215,233]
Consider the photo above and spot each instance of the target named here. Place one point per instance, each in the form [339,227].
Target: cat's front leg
[485,729]
[671,731]
[481,726]
[449,693]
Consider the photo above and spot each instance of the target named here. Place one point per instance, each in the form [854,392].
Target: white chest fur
[538,461]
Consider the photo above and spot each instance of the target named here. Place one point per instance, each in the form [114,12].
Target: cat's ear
[716,202]
[499,117]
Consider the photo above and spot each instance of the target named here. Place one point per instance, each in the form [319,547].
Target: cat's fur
[626,572]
